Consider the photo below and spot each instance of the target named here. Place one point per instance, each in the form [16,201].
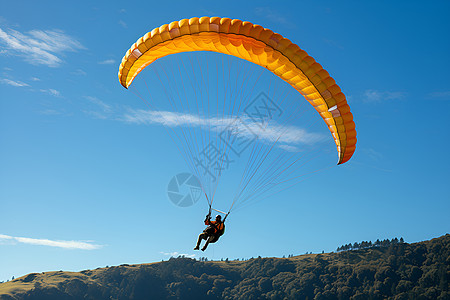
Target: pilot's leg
[201,236]
[210,238]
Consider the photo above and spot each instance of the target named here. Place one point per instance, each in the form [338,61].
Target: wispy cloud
[333,43]
[79,72]
[440,95]
[123,24]
[107,62]
[290,148]
[39,47]
[372,153]
[285,134]
[51,243]
[287,137]
[272,15]
[13,83]
[51,92]
[240,126]
[50,112]
[100,109]
[176,254]
[104,107]
[171,119]
[95,114]
[375,96]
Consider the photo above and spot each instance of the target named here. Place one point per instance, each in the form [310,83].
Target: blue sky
[81,188]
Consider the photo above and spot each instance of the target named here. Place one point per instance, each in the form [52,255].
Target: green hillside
[397,271]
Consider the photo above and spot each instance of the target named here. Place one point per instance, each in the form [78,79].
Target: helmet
[218,217]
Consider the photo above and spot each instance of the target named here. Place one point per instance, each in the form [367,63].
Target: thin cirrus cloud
[123,24]
[16,83]
[107,62]
[38,47]
[240,126]
[79,72]
[373,154]
[375,96]
[440,95]
[290,148]
[103,106]
[98,109]
[13,83]
[272,15]
[51,243]
[51,92]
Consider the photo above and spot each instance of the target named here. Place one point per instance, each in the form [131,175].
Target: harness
[217,232]
[216,227]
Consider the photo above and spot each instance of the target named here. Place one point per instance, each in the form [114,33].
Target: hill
[400,271]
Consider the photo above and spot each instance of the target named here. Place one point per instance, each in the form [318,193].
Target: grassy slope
[21,285]
[104,278]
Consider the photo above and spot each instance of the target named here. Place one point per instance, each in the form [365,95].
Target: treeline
[398,272]
[228,260]
[369,244]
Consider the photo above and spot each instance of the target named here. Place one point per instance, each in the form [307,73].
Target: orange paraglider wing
[260,46]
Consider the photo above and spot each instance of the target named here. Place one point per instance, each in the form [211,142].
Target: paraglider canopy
[205,118]
[258,45]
